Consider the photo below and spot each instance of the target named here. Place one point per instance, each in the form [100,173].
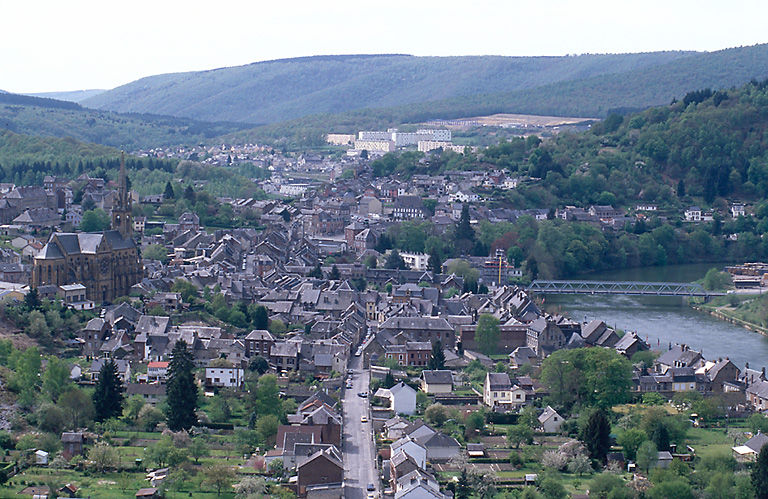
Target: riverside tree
[181,390]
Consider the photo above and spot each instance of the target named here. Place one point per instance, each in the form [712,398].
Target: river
[665,320]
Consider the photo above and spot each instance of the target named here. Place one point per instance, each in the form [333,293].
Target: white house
[402,398]
[157,371]
[415,261]
[737,210]
[499,391]
[224,377]
[693,214]
[550,420]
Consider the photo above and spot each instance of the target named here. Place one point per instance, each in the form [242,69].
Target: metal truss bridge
[621,288]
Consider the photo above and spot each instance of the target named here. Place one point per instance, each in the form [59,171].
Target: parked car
[363,419]
[363,394]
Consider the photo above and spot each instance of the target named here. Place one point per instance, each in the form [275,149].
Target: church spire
[121,212]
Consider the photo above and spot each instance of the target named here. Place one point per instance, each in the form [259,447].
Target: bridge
[621,288]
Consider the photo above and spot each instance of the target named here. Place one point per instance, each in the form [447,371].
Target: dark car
[371,487]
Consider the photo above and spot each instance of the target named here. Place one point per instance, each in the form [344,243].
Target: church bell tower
[121,212]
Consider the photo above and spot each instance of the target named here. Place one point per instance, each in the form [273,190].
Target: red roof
[158,364]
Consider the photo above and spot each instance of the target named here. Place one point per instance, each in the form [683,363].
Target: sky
[84,44]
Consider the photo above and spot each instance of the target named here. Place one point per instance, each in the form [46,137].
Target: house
[224,377]
[157,371]
[440,381]
[550,421]
[751,448]
[440,447]
[324,467]
[418,484]
[757,395]
[402,398]
[394,428]
[407,208]
[738,210]
[498,391]
[412,448]
[123,369]
[544,337]
[72,444]
[521,356]
[285,356]
[693,214]
[400,464]
[259,342]
[152,393]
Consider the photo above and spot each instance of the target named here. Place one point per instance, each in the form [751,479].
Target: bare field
[508,120]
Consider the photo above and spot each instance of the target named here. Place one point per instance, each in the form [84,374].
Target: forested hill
[275,91]
[590,97]
[708,148]
[55,118]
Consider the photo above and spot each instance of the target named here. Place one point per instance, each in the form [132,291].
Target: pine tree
[464,230]
[463,489]
[760,474]
[108,396]
[437,360]
[681,188]
[660,437]
[261,318]
[181,391]
[596,436]
[169,194]
[334,275]
[435,263]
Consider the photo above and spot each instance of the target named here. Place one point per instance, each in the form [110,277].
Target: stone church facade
[106,263]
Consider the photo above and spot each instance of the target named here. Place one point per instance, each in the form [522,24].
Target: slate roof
[441,377]
[757,442]
[499,381]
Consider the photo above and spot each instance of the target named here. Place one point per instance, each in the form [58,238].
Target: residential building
[224,377]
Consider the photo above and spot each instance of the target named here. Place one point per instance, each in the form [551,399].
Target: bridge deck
[621,288]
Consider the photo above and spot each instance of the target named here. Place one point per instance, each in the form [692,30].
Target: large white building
[374,145]
[431,145]
[416,261]
[402,139]
[293,189]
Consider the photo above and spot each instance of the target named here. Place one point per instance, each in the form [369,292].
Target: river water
[665,320]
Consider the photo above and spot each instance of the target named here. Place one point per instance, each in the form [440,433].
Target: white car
[363,419]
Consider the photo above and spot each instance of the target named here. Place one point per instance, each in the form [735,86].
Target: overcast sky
[81,44]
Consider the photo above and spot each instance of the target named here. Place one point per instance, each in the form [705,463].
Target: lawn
[104,486]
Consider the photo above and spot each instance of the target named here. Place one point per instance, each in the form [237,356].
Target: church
[106,263]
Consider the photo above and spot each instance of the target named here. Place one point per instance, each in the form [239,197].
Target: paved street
[358,448]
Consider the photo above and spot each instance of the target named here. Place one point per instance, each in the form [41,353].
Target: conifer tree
[169,194]
[596,436]
[760,474]
[437,360]
[108,396]
[181,392]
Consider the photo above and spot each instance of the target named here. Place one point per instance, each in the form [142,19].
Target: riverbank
[724,314]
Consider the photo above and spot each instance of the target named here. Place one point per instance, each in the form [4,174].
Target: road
[358,446]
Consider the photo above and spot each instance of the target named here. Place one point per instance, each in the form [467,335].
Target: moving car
[363,419]
[371,488]
[362,394]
